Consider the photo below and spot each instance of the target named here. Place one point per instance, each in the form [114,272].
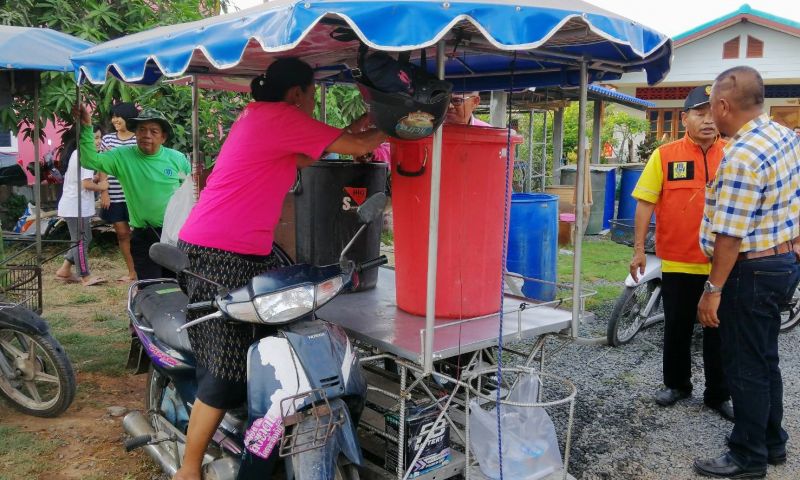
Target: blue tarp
[539,42]
[41,49]
[596,91]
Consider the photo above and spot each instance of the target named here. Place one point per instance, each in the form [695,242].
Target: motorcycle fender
[320,463]
[273,373]
[651,270]
[24,320]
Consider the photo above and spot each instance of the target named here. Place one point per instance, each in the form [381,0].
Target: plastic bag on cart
[530,445]
[178,209]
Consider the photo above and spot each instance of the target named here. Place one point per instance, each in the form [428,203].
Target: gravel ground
[619,431]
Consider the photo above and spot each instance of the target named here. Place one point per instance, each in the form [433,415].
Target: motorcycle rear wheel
[626,320]
[43,384]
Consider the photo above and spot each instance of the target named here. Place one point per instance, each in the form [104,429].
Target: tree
[102,20]
[620,129]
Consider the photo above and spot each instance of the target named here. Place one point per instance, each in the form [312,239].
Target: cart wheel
[42,382]
[627,317]
[790,316]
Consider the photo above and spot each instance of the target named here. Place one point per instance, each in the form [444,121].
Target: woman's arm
[101,186]
[357,144]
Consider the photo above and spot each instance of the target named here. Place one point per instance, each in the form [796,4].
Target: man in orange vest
[673,185]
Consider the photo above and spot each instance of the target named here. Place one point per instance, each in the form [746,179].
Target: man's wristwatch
[709,287]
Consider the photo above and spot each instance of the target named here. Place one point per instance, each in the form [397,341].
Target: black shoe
[724,467]
[668,396]
[725,409]
[774,458]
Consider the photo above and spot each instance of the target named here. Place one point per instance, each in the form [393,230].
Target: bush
[11,210]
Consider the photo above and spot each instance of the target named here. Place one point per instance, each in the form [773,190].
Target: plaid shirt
[756,195]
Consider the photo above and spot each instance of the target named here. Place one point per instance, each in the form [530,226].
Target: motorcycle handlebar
[374,263]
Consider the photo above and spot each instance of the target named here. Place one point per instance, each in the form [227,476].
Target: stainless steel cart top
[373,317]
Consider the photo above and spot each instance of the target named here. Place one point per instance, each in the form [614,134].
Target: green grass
[105,353]
[387,237]
[104,350]
[21,452]
[602,260]
[83,298]
[604,267]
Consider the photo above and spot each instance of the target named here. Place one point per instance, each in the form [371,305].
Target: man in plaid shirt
[750,228]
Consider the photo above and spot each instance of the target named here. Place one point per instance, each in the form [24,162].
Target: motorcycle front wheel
[36,376]
[345,470]
[628,318]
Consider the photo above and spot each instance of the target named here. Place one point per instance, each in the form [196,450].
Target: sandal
[94,281]
[71,279]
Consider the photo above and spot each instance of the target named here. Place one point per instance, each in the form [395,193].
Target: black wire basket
[21,279]
[622,232]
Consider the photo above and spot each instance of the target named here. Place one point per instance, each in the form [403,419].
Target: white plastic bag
[177,211]
[530,445]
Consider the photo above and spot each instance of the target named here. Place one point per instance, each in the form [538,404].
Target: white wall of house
[701,60]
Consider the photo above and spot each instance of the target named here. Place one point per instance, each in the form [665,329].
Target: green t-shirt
[147,180]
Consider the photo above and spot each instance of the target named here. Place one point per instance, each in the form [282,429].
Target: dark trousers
[141,240]
[749,316]
[680,294]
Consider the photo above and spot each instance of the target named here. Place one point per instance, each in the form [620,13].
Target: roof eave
[680,40]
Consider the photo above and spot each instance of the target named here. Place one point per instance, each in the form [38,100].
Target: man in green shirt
[149,174]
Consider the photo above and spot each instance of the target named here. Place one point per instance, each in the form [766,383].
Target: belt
[784,247]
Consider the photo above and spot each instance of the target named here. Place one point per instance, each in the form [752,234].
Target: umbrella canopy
[491,44]
[40,49]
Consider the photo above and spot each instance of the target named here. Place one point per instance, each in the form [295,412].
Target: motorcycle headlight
[285,306]
[328,289]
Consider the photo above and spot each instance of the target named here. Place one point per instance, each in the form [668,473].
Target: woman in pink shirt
[228,235]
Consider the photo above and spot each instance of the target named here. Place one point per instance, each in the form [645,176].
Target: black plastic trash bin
[325,213]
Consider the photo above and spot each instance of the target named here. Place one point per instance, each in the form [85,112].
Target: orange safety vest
[679,211]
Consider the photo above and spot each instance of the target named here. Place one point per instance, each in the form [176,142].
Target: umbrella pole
[198,169]
[580,182]
[37,186]
[79,177]
[433,227]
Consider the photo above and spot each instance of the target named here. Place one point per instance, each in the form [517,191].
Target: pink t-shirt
[241,204]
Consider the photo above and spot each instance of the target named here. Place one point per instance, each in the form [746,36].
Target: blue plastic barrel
[629,177]
[533,242]
[610,195]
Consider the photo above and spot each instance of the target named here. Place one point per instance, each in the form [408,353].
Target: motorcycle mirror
[372,209]
[169,256]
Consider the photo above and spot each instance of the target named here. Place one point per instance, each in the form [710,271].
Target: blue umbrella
[549,38]
[28,49]
[39,49]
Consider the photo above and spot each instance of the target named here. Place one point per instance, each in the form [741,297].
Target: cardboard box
[419,422]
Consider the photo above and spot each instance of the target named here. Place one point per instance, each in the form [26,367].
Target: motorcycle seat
[162,306]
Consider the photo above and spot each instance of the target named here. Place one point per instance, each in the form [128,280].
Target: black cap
[698,97]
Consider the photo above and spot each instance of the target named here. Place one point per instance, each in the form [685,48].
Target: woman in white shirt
[68,210]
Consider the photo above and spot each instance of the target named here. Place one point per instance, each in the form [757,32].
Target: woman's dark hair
[69,144]
[126,111]
[283,74]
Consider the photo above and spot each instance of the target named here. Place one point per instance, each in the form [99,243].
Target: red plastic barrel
[471,212]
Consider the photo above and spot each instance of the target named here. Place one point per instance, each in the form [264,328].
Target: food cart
[498,45]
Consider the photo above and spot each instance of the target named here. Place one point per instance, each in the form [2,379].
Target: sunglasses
[458,101]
